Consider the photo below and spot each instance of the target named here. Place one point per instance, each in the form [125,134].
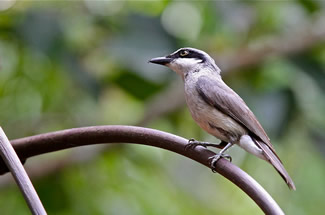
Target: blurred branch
[11,159]
[54,141]
[283,45]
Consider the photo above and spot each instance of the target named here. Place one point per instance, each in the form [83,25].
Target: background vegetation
[72,64]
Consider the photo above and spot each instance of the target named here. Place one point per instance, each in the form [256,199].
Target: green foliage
[72,64]
[130,82]
[310,5]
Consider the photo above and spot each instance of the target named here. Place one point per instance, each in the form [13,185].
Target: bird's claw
[214,159]
[192,143]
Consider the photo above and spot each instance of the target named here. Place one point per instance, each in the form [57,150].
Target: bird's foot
[192,143]
[214,159]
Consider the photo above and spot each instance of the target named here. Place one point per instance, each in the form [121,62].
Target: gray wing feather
[223,98]
[276,163]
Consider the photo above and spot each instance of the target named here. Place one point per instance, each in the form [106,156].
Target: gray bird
[219,110]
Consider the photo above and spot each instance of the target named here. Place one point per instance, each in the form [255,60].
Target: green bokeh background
[69,64]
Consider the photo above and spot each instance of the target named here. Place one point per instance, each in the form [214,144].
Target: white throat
[184,65]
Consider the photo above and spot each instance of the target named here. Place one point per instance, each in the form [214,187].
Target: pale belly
[213,121]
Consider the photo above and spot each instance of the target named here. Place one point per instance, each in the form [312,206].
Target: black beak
[161,60]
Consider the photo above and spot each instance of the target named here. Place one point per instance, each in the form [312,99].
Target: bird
[219,110]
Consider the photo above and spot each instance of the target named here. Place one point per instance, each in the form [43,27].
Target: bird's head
[185,60]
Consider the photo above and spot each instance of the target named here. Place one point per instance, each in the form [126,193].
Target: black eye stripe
[191,54]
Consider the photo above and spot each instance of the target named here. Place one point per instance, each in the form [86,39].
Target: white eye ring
[184,53]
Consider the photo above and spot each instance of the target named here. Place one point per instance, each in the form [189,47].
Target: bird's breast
[211,119]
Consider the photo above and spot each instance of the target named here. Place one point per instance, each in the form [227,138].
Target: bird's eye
[183,53]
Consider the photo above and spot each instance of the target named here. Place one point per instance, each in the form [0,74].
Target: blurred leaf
[41,30]
[311,66]
[310,5]
[58,200]
[131,83]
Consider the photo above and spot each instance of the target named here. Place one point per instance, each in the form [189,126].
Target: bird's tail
[273,159]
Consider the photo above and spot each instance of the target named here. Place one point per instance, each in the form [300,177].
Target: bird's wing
[223,98]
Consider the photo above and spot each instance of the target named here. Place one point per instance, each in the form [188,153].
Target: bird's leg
[221,154]
[192,143]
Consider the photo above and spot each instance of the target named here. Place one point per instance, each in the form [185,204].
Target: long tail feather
[273,159]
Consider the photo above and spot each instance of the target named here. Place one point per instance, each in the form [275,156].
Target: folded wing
[223,98]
